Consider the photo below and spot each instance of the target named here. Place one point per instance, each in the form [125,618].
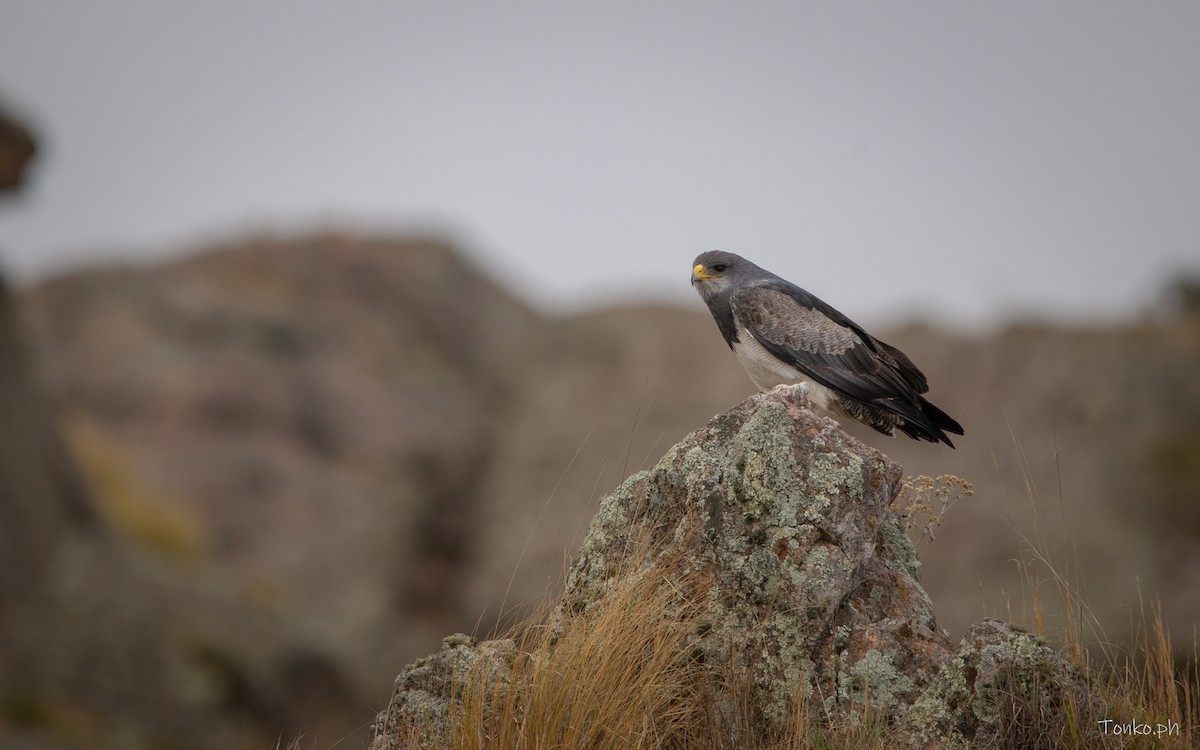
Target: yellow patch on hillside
[127,501]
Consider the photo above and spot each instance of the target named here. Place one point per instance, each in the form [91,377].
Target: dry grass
[616,676]
[1145,684]
[1147,691]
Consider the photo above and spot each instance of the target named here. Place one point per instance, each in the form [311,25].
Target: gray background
[959,161]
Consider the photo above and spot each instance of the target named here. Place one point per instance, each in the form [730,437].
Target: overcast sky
[961,161]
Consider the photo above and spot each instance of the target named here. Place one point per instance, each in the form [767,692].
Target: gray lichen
[876,682]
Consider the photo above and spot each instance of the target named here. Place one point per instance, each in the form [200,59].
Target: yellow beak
[699,274]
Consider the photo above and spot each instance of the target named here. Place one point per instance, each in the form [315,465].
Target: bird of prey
[782,334]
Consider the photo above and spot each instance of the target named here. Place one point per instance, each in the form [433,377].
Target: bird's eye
[719,268]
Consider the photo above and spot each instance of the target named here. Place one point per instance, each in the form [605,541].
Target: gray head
[716,274]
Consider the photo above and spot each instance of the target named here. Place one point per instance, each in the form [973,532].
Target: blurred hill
[367,442]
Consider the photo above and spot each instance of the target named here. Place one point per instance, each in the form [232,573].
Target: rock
[778,527]
[17,148]
[427,690]
[1002,684]
[789,520]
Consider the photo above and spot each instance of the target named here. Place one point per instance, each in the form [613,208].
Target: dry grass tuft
[618,675]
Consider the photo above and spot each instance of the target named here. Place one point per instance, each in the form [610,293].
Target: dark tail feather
[917,418]
[932,426]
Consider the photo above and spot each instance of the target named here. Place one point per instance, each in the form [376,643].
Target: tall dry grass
[1147,689]
[618,675]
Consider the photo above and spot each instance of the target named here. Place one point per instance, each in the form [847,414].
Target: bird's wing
[809,335]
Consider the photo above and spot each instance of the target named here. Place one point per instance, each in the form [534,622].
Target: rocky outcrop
[787,518]
[17,149]
[777,528]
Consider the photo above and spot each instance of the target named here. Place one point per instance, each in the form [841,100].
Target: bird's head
[716,272]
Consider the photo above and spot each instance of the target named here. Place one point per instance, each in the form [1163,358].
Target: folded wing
[877,383]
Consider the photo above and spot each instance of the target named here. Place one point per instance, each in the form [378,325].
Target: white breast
[766,371]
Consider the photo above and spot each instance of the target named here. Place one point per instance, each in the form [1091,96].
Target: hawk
[782,334]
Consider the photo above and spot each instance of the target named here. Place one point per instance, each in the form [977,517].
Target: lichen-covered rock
[427,691]
[778,527]
[811,584]
[1003,682]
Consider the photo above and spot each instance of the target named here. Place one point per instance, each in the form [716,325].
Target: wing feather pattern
[806,333]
